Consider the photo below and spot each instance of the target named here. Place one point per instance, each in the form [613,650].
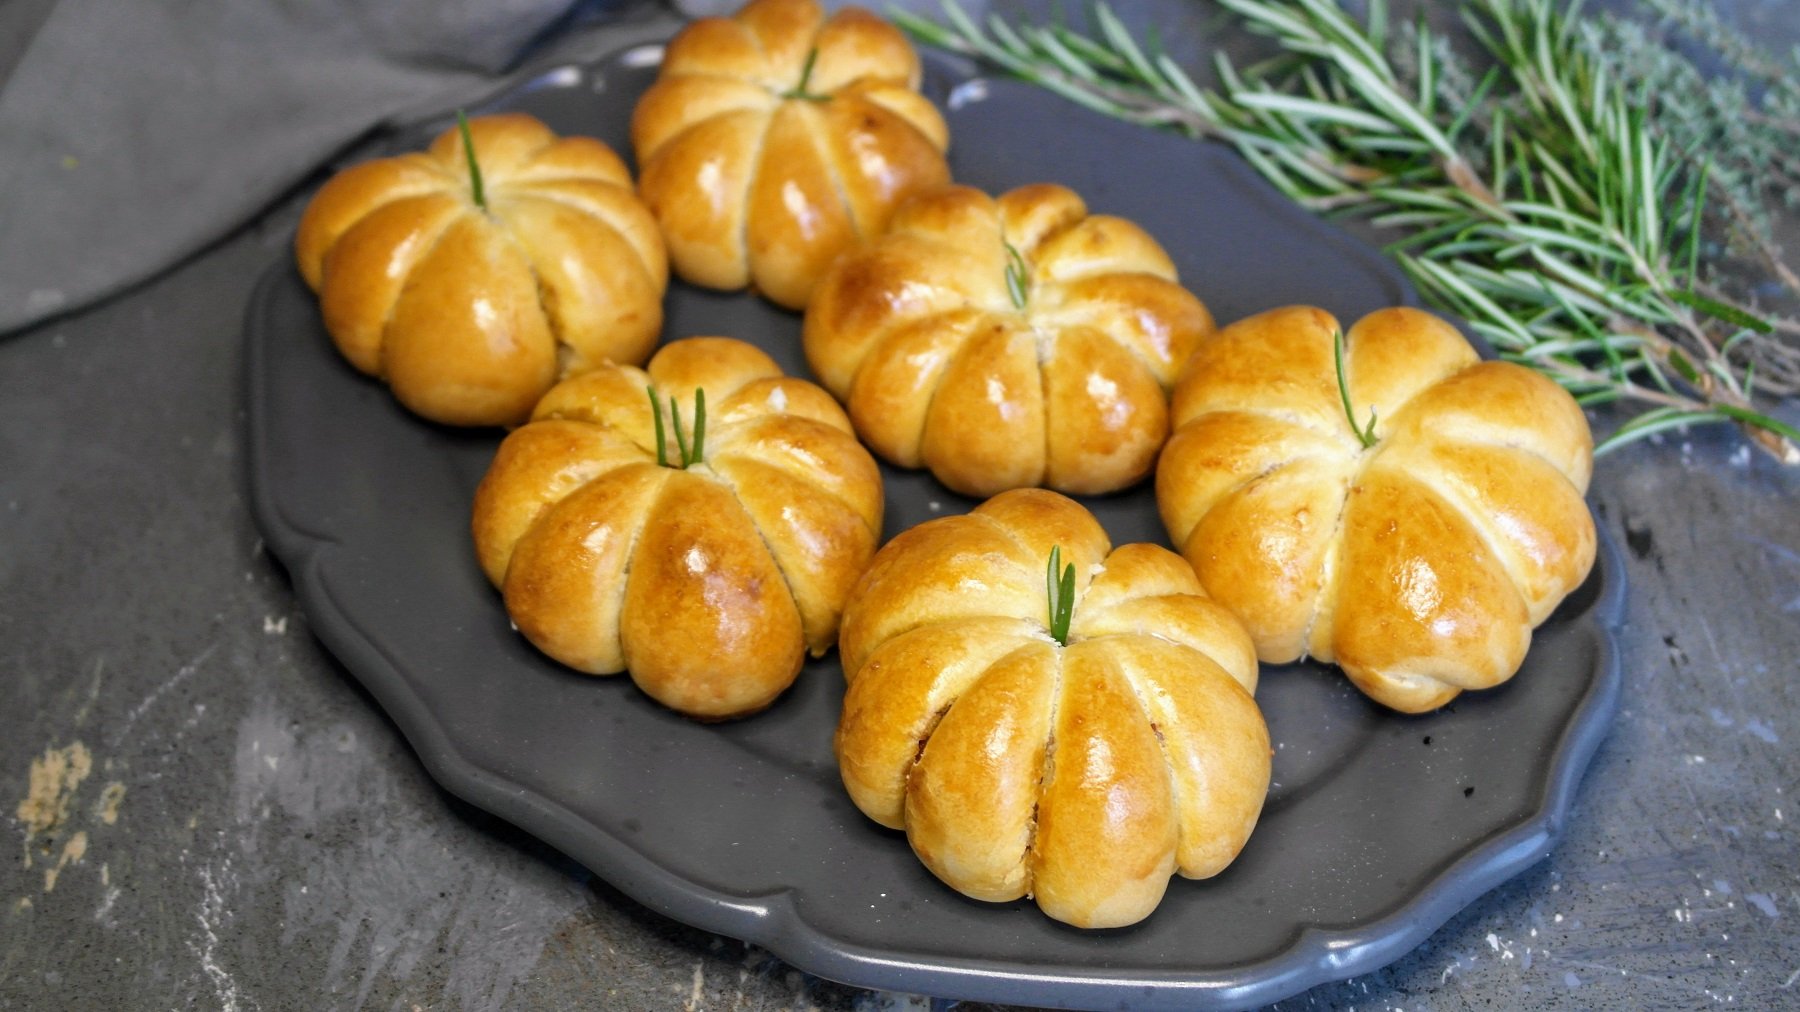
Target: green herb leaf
[799,90]
[1018,277]
[1365,436]
[686,455]
[1059,587]
[1719,310]
[681,446]
[1758,420]
[1681,365]
[662,445]
[699,426]
[468,144]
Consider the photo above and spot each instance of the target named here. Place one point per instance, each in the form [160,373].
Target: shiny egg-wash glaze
[1419,564]
[777,137]
[707,582]
[1007,342]
[1083,772]
[470,310]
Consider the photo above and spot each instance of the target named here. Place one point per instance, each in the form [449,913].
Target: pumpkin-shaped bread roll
[1006,343]
[704,547]
[1080,760]
[1420,562]
[470,301]
[773,138]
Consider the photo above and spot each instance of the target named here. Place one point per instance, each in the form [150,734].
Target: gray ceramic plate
[1378,827]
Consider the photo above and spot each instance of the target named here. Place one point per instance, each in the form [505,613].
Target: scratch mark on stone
[1778,549]
[210,915]
[379,906]
[1711,643]
[87,706]
[1763,731]
[181,674]
[111,896]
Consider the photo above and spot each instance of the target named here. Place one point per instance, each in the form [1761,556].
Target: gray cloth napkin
[134,134]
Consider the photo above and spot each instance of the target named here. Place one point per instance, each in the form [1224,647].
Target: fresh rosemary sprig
[1550,208]
[468,144]
[685,456]
[1059,585]
[1364,434]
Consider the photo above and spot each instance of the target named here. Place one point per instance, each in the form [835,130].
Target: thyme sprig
[686,456]
[1751,147]
[1364,434]
[1059,586]
[1544,203]
[476,191]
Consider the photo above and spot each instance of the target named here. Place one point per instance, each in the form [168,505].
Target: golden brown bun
[707,583]
[470,315]
[1083,775]
[756,186]
[921,334]
[1419,565]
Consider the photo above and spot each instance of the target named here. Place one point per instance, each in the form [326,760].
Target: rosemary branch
[1562,218]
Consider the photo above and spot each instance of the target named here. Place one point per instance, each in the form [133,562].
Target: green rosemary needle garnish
[1018,277]
[685,455]
[1059,584]
[799,90]
[699,424]
[468,143]
[662,442]
[681,447]
[1573,203]
[1366,436]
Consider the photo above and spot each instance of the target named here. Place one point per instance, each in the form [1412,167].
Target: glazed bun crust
[1007,342]
[1084,775]
[469,313]
[709,584]
[758,179]
[1419,565]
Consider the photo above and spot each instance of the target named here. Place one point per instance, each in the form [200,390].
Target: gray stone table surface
[205,810]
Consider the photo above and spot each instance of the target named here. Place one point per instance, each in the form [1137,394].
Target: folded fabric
[133,135]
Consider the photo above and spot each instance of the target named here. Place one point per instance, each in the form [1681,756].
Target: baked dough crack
[1047,772]
[787,581]
[393,308]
